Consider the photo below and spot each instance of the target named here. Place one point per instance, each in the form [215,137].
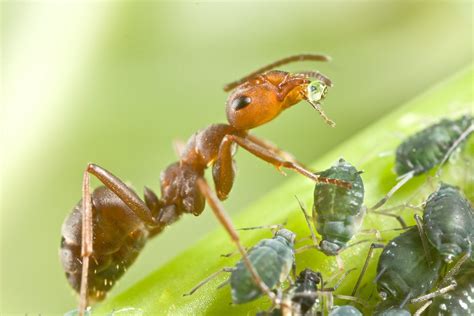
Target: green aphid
[345,310]
[338,212]
[426,149]
[404,272]
[460,301]
[273,259]
[448,222]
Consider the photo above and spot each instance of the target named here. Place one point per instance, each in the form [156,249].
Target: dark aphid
[448,222]
[309,296]
[460,301]
[272,259]
[345,310]
[404,271]
[428,148]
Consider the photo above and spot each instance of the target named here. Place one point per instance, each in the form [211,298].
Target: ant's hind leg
[222,217]
[126,194]
[86,241]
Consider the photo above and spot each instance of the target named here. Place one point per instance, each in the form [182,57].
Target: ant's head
[261,96]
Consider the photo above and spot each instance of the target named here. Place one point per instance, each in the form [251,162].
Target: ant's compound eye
[241,102]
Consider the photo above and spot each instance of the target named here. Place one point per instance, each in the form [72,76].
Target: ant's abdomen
[119,236]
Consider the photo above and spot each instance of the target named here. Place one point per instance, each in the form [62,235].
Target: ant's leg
[223,170]
[404,179]
[279,163]
[364,268]
[206,280]
[222,217]
[127,195]
[271,147]
[86,241]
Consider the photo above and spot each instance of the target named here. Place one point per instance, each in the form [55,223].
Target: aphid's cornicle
[448,222]
[338,212]
[255,100]
[460,301]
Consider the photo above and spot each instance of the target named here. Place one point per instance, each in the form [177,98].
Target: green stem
[161,292]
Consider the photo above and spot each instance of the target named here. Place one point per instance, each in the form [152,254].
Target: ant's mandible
[108,228]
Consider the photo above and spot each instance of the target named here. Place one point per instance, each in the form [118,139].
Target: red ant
[108,228]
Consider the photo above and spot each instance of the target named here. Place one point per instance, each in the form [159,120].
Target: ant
[107,229]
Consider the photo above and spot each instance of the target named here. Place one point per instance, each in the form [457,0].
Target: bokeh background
[116,82]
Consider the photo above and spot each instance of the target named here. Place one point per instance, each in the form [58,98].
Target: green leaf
[161,292]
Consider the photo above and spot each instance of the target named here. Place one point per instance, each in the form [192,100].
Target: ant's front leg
[224,219]
[278,162]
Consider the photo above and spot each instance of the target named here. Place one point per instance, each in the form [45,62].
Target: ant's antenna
[280,62]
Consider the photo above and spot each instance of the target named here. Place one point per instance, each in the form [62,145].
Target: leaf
[161,292]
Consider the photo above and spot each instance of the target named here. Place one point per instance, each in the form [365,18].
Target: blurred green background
[116,83]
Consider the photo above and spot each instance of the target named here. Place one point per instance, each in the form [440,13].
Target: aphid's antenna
[364,268]
[403,179]
[306,216]
[280,62]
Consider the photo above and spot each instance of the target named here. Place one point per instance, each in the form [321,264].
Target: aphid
[109,227]
[448,222]
[345,310]
[338,212]
[404,271]
[460,301]
[387,308]
[428,148]
[273,259]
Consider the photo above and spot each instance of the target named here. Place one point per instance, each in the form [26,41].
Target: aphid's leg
[431,295]
[454,270]
[374,231]
[222,217]
[341,279]
[404,179]
[232,253]
[279,163]
[308,222]
[273,227]
[397,217]
[420,310]
[366,265]
[424,241]
[339,262]
[458,141]
[86,241]
[206,280]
